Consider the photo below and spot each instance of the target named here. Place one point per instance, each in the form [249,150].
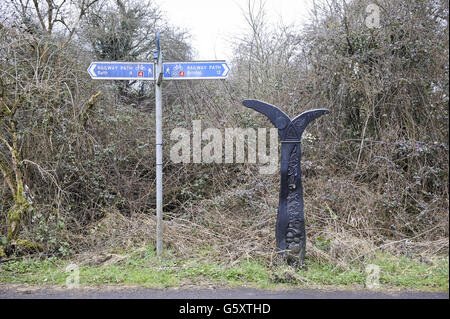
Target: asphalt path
[33,292]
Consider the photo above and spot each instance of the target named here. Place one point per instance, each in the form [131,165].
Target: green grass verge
[146,269]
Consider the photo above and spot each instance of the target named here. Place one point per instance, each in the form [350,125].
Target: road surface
[115,292]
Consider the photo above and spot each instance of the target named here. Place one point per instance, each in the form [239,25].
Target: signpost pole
[159,181]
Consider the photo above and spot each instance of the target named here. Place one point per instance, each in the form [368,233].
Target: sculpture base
[295,239]
[291,242]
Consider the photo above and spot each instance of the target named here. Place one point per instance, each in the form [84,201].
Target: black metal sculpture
[290,228]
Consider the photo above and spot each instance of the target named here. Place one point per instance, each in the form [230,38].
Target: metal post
[158,115]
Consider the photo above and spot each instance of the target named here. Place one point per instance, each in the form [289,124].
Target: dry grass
[239,224]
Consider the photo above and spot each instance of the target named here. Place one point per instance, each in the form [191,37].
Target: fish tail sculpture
[290,226]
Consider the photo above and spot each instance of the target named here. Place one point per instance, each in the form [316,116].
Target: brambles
[375,169]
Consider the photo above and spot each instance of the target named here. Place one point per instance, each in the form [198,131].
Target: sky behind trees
[214,24]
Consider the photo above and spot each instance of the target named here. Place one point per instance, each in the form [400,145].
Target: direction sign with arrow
[195,70]
[121,71]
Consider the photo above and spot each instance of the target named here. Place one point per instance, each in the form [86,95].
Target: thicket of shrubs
[74,151]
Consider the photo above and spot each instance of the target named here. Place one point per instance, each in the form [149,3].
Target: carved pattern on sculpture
[295,233]
[290,229]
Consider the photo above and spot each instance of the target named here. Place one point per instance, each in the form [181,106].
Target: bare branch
[39,14]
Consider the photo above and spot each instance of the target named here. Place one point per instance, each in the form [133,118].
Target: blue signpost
[121,71]
[207,70]
[158,71]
